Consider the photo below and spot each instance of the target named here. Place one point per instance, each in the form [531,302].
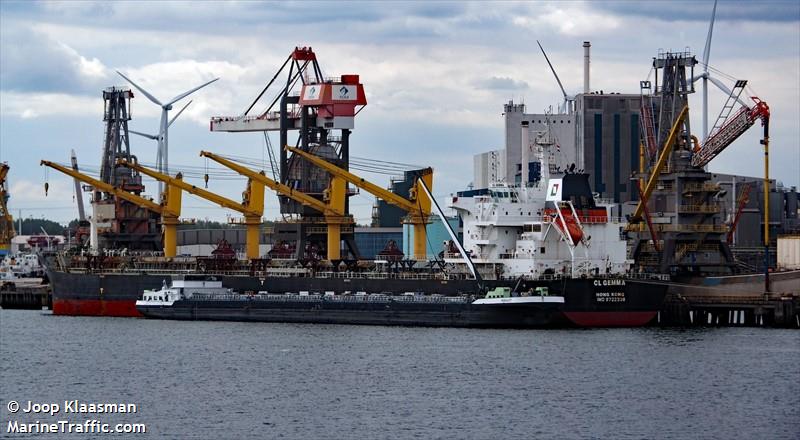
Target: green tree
[34,226]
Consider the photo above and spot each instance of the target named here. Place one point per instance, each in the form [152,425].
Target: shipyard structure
[699,222]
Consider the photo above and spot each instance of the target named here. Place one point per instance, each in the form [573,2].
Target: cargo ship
[550,233]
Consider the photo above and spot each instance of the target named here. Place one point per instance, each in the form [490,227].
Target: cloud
[730,10]
[502,83]
[34,105]
[571,20]
[26,192]
[30,61]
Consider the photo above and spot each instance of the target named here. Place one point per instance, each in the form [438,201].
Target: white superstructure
[20,265]
[181,288]
[552,226]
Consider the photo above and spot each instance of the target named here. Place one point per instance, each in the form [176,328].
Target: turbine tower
[706,54]
[162,156]
[706,77]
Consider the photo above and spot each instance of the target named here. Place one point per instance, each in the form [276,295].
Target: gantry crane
[417,205]
[6,221]
[252,205]
[169,209]
[333,206]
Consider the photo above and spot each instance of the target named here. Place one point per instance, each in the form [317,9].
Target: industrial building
[601,133]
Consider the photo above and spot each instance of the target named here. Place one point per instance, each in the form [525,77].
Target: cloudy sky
[436,76]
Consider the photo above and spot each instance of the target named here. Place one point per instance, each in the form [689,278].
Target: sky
[436,76]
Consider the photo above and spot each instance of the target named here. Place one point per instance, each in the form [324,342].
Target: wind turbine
[162,158]
[156,137]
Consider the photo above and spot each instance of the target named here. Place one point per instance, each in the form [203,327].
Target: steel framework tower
[684,234]
[119,223]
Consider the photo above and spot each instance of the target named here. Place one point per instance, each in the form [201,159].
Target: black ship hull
[576,302]
[587,302]
[113,294]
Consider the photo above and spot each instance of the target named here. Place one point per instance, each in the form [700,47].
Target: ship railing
[709,208]
[701,187]
[593,219]
[641,227]
[319,297]
[629,275]
[379,275]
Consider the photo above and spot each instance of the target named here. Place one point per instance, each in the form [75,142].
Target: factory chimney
[586,46]
[525,154]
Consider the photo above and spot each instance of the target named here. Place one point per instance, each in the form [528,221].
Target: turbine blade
[726,90]
[707,50]
[701,76]
[179,113]
[144,92]
[148,136]
[553,70]
[185,94]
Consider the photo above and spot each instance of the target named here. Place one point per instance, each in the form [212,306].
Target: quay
[28,294]
[734,301]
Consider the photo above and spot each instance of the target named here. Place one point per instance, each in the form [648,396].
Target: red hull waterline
[610,319]
[95,307]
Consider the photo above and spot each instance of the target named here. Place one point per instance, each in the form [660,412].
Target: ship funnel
[586,46]
[525,154]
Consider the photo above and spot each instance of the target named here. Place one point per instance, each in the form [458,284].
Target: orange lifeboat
[573,229]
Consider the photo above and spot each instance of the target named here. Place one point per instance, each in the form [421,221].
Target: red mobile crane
[728,129]
[733,127]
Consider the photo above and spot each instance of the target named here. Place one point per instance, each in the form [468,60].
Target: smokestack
[586,46]
[525,153]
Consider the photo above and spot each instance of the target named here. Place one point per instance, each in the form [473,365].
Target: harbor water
[223,380]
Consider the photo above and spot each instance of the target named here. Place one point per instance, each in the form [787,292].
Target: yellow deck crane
[662,160]
[252,205]
[169,209]
[417,205]
[6,221]
[332,207]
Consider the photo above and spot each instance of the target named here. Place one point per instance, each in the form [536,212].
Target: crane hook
[46,187]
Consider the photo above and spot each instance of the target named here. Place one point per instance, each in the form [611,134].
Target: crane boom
[252,206]
[105,187]
[744,197]
[418,207]
[6,221]
[273,185]
[78,192]
[662,160]
[370,187]
[169,212]
[192,189]
[733,127]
